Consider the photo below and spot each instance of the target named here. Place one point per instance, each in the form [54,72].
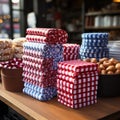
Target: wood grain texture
[33,109]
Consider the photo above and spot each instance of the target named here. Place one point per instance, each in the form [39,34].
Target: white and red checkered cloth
[77,83]
[46,35]
[42,51]
[71,51]
[12,64]
[42,79]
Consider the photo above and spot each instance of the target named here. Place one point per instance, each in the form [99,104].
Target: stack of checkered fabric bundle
[94,45]
[77,83]
[42,51]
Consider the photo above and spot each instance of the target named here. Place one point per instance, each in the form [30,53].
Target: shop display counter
[33,109]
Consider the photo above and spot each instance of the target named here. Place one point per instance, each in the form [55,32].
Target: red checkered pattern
[42,39]
[32,53]
[71,51]
[42,79]
[70,48]
[77,80]
[77,89]
[77,105]
[77,66]
[63,72]
[38,71]
[12,64]
[37,63]
[46,35]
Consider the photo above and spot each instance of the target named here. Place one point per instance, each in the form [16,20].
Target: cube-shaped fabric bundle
[46,35]
[71,51]
[77,83]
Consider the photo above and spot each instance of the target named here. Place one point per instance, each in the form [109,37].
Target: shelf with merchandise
[104,18]
[102,28]
[108,12]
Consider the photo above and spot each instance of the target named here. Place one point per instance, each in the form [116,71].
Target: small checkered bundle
[71,51]
[94,45]
[77,83]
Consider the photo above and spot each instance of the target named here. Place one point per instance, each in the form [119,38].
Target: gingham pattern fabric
[96,35]
[38,63]
[71,51]
[76,88]
[94,45]
[42,52]
[46,35]
[69,103]
[42,79]
[77,66]
[12,64]
[39,93]
[37,50]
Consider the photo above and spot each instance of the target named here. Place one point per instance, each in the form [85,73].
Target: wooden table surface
[33,109]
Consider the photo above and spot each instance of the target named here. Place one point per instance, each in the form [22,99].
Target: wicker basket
[12,79]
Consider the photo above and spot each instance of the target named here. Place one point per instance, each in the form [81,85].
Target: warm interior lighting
[15,1]
[116,0]
[1,21]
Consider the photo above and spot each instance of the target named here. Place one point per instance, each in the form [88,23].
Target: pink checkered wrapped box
[77,83]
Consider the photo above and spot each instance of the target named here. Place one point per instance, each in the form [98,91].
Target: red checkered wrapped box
[73,97]
[80,82]
[77,83]
[62,73]
[77,66]
[75,104]
[46,35]
[78,86]
[71,51]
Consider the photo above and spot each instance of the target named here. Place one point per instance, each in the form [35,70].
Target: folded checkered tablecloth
[42,94]
[40,79]
[52,51]
[46,35]
[94,45]
[71,51]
